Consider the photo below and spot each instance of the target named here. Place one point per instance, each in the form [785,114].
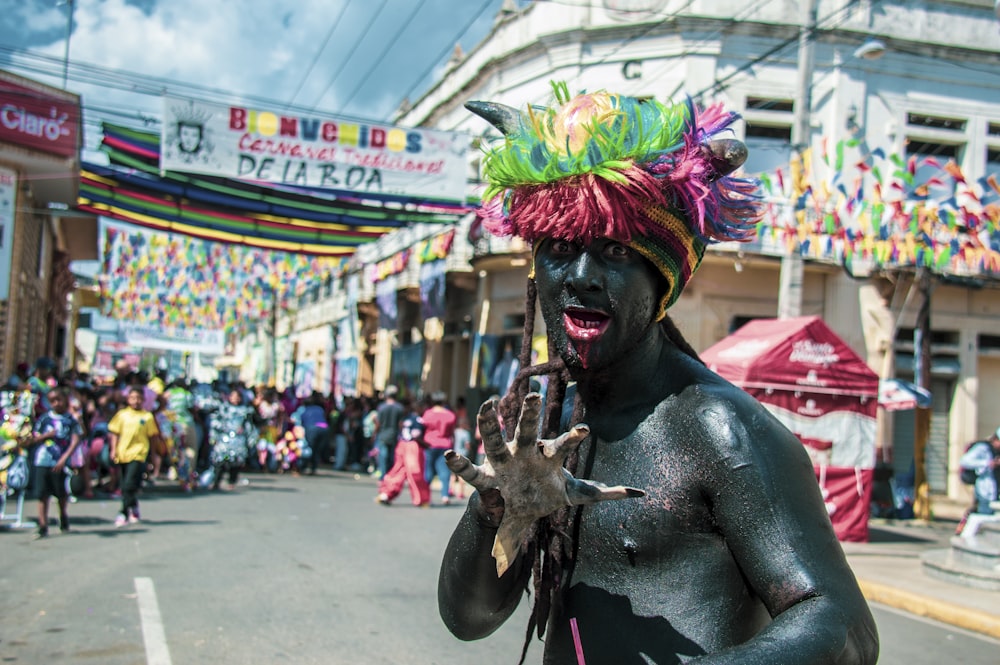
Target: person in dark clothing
[389,415]
[312,418]
[19,379]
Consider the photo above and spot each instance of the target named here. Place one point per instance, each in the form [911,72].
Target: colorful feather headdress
[649,175]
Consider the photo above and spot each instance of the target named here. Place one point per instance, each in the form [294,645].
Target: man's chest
[673,508]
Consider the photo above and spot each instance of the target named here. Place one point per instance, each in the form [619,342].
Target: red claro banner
[34,119]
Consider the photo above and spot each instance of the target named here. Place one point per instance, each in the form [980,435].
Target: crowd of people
[71,437]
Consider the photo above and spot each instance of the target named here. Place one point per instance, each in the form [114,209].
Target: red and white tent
[821,390]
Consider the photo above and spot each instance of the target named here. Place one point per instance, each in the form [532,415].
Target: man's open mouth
[585,323]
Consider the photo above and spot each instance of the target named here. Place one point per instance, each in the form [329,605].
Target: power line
[688,50]
[352,51]
[953,63]
[434,63]
[319,52]
[641,34]
[157,86]
[154,86]
[111,78]
[666,17]
[718,85]
[403,26]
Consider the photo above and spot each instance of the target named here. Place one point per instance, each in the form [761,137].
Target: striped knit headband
[599,165]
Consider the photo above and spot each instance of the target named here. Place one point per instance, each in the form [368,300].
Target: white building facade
[869,89]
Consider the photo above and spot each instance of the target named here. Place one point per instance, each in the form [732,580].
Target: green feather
[638,133]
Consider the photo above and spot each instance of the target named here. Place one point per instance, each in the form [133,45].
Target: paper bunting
[393,265]
[924,213]
[174,281]
[205,252]
[436,248]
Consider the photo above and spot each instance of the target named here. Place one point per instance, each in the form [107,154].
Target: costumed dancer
[233,436]
[719,548]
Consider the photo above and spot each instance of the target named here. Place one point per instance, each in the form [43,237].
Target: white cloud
[236,51]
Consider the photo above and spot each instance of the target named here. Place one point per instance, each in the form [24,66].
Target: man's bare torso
[654,574]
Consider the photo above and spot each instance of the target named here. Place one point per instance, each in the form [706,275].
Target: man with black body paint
[719,549]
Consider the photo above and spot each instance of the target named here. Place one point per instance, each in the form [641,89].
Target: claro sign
[36,120]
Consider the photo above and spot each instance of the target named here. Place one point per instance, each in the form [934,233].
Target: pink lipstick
[585,324]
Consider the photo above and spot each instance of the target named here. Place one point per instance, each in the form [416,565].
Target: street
[284,569]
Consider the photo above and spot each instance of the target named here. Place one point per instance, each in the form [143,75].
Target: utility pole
[69,33]
[790,281]
[922,415]
[272,354]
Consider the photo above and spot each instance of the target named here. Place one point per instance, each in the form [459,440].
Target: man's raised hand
[528,473]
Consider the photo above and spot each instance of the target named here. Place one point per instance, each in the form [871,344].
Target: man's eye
[561,247]
[618,250]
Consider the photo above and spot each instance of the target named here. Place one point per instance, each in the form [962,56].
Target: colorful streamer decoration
[175,281]
[436,248]
[205,252]
[856,206]
[284,218]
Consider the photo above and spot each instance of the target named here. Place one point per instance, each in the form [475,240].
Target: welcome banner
[326,152]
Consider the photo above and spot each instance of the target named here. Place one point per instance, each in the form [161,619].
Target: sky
[349,58]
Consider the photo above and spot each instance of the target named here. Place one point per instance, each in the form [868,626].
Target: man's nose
[584,274]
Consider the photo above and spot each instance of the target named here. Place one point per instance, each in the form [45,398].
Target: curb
[939,610]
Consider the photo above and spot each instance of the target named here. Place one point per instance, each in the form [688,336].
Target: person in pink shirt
[439,435]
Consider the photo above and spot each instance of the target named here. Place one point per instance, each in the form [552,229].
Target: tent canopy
[822,391]
[799,354]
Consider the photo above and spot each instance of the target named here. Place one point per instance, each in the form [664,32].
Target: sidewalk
[889,570]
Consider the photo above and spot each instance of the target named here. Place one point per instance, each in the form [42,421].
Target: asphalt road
[285,569]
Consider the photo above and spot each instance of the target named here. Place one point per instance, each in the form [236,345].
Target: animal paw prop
[529,475]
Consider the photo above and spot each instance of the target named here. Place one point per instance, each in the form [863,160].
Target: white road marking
[153,635]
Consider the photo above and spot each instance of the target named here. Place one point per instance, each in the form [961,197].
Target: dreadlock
[551,546]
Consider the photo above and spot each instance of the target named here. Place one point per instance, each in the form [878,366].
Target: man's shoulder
[725,417]
[441,415]
[715,395]
[390,407]
[987,447]
[37,385]
[980,445]
[69,419]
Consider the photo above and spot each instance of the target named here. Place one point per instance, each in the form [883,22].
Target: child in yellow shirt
[132,431]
